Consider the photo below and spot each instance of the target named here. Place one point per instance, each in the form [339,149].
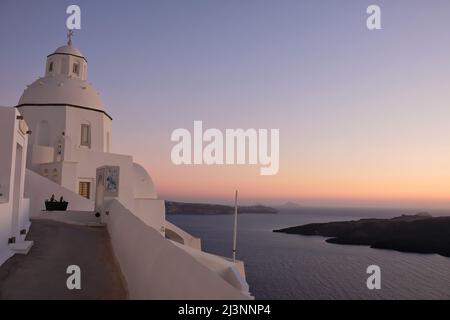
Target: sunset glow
[363,117]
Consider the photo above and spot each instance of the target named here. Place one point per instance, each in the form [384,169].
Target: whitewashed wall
[10,137]
[155,268]
[38,189]
[151,212]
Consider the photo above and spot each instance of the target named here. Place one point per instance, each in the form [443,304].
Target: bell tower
[67,60]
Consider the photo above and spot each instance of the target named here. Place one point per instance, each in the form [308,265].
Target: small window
[76,68]
[86,135]
[50,67]
[84,189]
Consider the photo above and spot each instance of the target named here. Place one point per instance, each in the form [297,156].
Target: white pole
[235,226]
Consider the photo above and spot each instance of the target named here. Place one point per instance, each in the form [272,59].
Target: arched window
[50,67]
[85,135]
[43,133]
[76,68]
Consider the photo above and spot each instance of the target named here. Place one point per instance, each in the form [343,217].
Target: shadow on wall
[173,236]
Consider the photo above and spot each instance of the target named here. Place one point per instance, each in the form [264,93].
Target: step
[21,247]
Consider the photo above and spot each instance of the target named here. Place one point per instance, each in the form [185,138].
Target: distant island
[173,207]
[290,205]
[420,233]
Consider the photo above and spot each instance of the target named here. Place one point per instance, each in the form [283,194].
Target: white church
[57,141]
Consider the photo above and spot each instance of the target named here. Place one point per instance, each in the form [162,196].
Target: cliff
[419,233]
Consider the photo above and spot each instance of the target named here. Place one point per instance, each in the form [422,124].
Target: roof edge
[62,105]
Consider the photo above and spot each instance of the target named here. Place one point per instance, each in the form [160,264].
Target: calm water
[282,266]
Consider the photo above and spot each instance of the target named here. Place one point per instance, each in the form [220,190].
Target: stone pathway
[42,273]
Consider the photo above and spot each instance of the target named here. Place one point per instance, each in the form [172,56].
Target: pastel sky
[364,116]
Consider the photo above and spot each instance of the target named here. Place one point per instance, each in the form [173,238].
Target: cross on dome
[69,37]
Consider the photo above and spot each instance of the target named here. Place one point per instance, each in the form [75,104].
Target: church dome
[143,186]
[62,90]
[65,82]
[69,50]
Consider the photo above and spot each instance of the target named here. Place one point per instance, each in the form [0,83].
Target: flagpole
[235,226]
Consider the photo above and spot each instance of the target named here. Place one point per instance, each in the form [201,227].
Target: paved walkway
[42,273]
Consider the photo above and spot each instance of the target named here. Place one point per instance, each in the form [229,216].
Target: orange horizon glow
[409,187]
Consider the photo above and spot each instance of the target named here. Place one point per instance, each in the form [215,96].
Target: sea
[295,267]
